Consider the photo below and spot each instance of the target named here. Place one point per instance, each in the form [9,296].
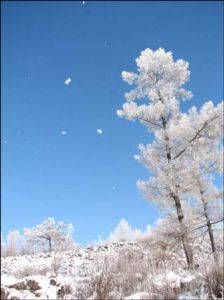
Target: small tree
[50,232]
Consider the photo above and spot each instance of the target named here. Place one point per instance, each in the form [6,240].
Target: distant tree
[160,80]
[65,244]
[13,243]
[3,250]
[49,232]
[124,233]
[27,248]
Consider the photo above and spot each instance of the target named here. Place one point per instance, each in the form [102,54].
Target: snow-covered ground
[109,271]
[52,275]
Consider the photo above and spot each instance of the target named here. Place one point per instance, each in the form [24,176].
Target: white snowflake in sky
[68,81]
[99,131]
[63,132]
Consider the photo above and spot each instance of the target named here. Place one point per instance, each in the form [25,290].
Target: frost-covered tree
[160,81]
[2,245]
[203,165]
[124,233]
[49,232]
[27,248]
[13,243]
[65,244]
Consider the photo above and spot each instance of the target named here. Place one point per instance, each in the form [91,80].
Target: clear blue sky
[71,177]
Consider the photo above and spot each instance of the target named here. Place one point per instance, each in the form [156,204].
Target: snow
[8,279]
[71,268]
[173,279]
[79,270]
[99,131]
[187,296]
[138,296]
[68,81]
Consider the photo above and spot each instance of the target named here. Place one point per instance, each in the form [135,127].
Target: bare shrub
[29,271]
[213,279]
[116,275]
[103,281]
[18,286]
[55,265]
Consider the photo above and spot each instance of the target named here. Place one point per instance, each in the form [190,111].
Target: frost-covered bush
[55,265]
[30,271]
[117,274]
[212,277]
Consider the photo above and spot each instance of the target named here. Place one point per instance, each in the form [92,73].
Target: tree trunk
[183,230]
[180,215]
[49,241]
[209,226]
[218,291]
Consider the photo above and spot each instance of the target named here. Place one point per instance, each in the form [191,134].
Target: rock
[64,290]
[53,281]
[32,285]
[4,293]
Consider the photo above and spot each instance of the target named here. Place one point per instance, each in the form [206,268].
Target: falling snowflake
[68,81]
[99,131]
[63,132]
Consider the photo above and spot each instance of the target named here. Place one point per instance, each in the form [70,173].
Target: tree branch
[195,136]
[150,122]
[212,223]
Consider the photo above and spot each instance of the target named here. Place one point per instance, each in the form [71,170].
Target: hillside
[110,271]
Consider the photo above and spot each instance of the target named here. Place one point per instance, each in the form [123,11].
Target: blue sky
[82,177]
